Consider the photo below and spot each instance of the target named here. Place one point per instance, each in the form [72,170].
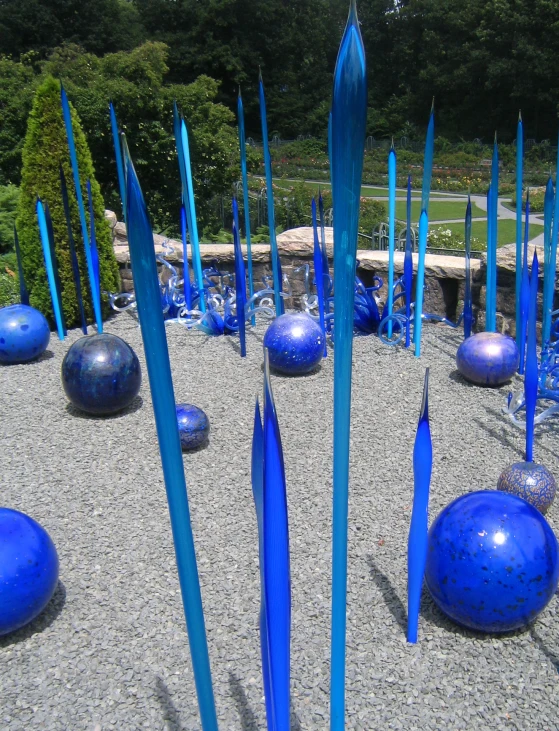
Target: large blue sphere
[488,359]
[28,569]
[101,374]
[530,481]
[492,561]
[24,334]
[194,426]
[295,343]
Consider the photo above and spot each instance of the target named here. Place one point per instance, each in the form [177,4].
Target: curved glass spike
[524,290]
[240,280]
[23,293]
[428,160]
[49,265]
[73,253]
[417,541]
[93,239]
[118,158]
[531,377]
[54,260]
[349,113]
[519,177]
[423,228]
[468,315]
[148,294]
[246,200]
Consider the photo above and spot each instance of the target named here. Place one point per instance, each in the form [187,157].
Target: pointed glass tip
[495,138]
[424,413]
[433,105]
[392,145]
[260,74]
[520,115]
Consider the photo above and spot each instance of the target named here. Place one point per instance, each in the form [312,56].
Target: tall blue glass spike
[492,218]
[118,158]
[391,230]
[325,264]
[23,293]
[148,298]
[408,265]
[349,116]
[54,260]
[468,315]
[555,227]
[246,200]
[549,262]
[428,161]
[519,178]
[417,541]
[240,280]
[418,321]
[73,253]
[47,253]
[277,582]
[93,239]
[276,265]
[531,377]
[524,291]
[318,274]
[186,267]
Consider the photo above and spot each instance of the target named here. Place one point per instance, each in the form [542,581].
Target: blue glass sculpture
[487,358]
[492,562]
[194,426]
[101,374]
[28,569]
[24,334]
[295,344]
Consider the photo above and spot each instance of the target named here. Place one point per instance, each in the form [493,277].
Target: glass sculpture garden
[337,560]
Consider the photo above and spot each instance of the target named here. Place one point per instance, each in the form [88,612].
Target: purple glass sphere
[488,359]
[24,334]
[194,426]
[530,481]
[295,344]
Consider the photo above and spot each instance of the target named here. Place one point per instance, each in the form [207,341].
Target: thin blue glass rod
[489,268]
[531,377]
[548,263]
[23,293]
[93,239]
[519,181]
[240,280]
[318,275]
[270,200]
[186,267]
[349,114]
[246,199]
[428,161]
[83,221]
[555,227]
[408,265]
[148,298]
[524,290]
[423,229]
[54,260]
[492,254]
[325,264]
[49,268]
[391,230]
[468,315]
[118,158]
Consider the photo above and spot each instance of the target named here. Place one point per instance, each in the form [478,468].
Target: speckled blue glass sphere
[492,561]
[101,374]
[24,334]
[194,426]
[487,359]
[530,481]
[295,343]
[28,569]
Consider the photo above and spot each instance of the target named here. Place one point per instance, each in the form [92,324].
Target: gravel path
[111,651]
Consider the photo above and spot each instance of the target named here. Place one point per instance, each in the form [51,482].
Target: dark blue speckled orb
[194,426]
[530,481]
[492,561]
[295,344]
[488,359]
[28,569]
[24,334]
[101,374]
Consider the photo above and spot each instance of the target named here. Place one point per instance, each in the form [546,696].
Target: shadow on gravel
[391,598]
[136,405]
[551,656]
[40,623]
[500,435]
[171,716]
[47,355]
[246,714]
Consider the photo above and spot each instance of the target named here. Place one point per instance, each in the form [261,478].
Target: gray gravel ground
[111,651]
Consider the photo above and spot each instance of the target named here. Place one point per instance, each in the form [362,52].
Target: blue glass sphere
[194,426]
[101,374]
[28,569]
[492,561]
[488,359]
[24,334]
[530,481]
[295,344]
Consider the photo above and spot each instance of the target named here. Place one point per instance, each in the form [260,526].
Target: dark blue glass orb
[24,334]
[530,481]
[492,561]
[488,359]
[28,569]
[101,374]
[295,344]
[194,426]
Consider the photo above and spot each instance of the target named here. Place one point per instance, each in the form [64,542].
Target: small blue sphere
[28,569]
[530,481]
[487,359]
[194,426]
[492,561]
[101,374]
[295,344]
[24,334]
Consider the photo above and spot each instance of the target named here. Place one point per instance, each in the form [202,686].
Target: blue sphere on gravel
[24,334]
[530,481]
[295,344]
[28,569]
[194,426]
[492,561]
[101,374]
[488,359]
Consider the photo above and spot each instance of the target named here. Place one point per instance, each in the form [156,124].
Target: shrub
[9,196]
[45,149]
[9,284]
[537,198]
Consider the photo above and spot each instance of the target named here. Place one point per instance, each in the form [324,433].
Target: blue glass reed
[148,298]
[73,253]
[325,264]
[246,200]
[49,268]
[524,291]
[276,266]
[76,173]
[428,160]
[349,114]
[23,293]
[548,262]
[531,377]
[519,179]
[118,158]
[555,227]
[468,315]
[492,211]
[93,239]
[489,270]
[391,230]
[318,275]
[418,314]
[417,540]
[408,265]
[186,267]
[54,260]
[240,280]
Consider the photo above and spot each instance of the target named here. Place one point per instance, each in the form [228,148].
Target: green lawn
[439,210]
[506,230]
[367,191]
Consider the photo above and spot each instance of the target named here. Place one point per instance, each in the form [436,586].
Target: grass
[506,231]
[439,210]
[367,191]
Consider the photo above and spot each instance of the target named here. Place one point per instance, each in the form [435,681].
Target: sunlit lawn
[506,230]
